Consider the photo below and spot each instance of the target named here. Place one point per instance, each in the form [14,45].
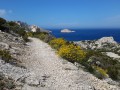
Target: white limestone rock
[113,55]
[104,42]
[34,28]
[111,82]
[70,66]
[12,71]
[32,81]
[4,45]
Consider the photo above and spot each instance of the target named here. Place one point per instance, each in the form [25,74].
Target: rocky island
[66,31]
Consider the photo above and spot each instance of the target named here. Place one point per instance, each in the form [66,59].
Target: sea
[87,34]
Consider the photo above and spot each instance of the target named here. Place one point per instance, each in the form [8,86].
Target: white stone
[98,44]
[34,28]
[4,45]
[113,55]
[32,80]
[106,40]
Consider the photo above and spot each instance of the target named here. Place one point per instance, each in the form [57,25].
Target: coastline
[87,34]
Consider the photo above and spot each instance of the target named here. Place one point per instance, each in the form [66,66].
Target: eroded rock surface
[107,43]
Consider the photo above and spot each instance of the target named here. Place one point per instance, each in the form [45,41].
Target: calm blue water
[87,34]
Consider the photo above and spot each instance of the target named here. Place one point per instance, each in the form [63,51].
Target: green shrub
[5,55]
[22,33]
[2,22]
[44,36]
[90,69]
[108,64]
[14,27]
[113,72]
[12,23]
[30,34]
[48,38]
[92,53]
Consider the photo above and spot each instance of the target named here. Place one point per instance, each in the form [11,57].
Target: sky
[63,13]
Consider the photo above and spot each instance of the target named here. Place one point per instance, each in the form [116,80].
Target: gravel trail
[54,73]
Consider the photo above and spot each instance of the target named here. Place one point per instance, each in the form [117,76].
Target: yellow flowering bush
[57,43]
[71,52]
[102,73]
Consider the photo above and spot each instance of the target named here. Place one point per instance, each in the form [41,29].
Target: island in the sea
[66,31]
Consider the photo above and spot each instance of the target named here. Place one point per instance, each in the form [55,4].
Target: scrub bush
[6,83]
[57,43]
[5,55]
[101,73]
[72,53]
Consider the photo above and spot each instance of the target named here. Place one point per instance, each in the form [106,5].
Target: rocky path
[50,72]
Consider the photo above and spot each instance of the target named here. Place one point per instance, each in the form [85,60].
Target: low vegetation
[12,27]
[6,83]
[72,53]
[56,43]
[5,55]
[96,61]
[44,36]
[67,50]
[100,72]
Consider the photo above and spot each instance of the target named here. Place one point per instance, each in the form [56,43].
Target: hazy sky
[63,13]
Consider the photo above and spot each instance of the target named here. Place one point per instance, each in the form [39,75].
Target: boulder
[106,40]
[4,46]
[32,81]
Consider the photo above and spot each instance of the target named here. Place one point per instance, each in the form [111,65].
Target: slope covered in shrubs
[67,50]
[44,36]
[13,28]
[102,65]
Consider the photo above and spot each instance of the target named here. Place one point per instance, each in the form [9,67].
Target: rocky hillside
[101,51]
[106,43]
